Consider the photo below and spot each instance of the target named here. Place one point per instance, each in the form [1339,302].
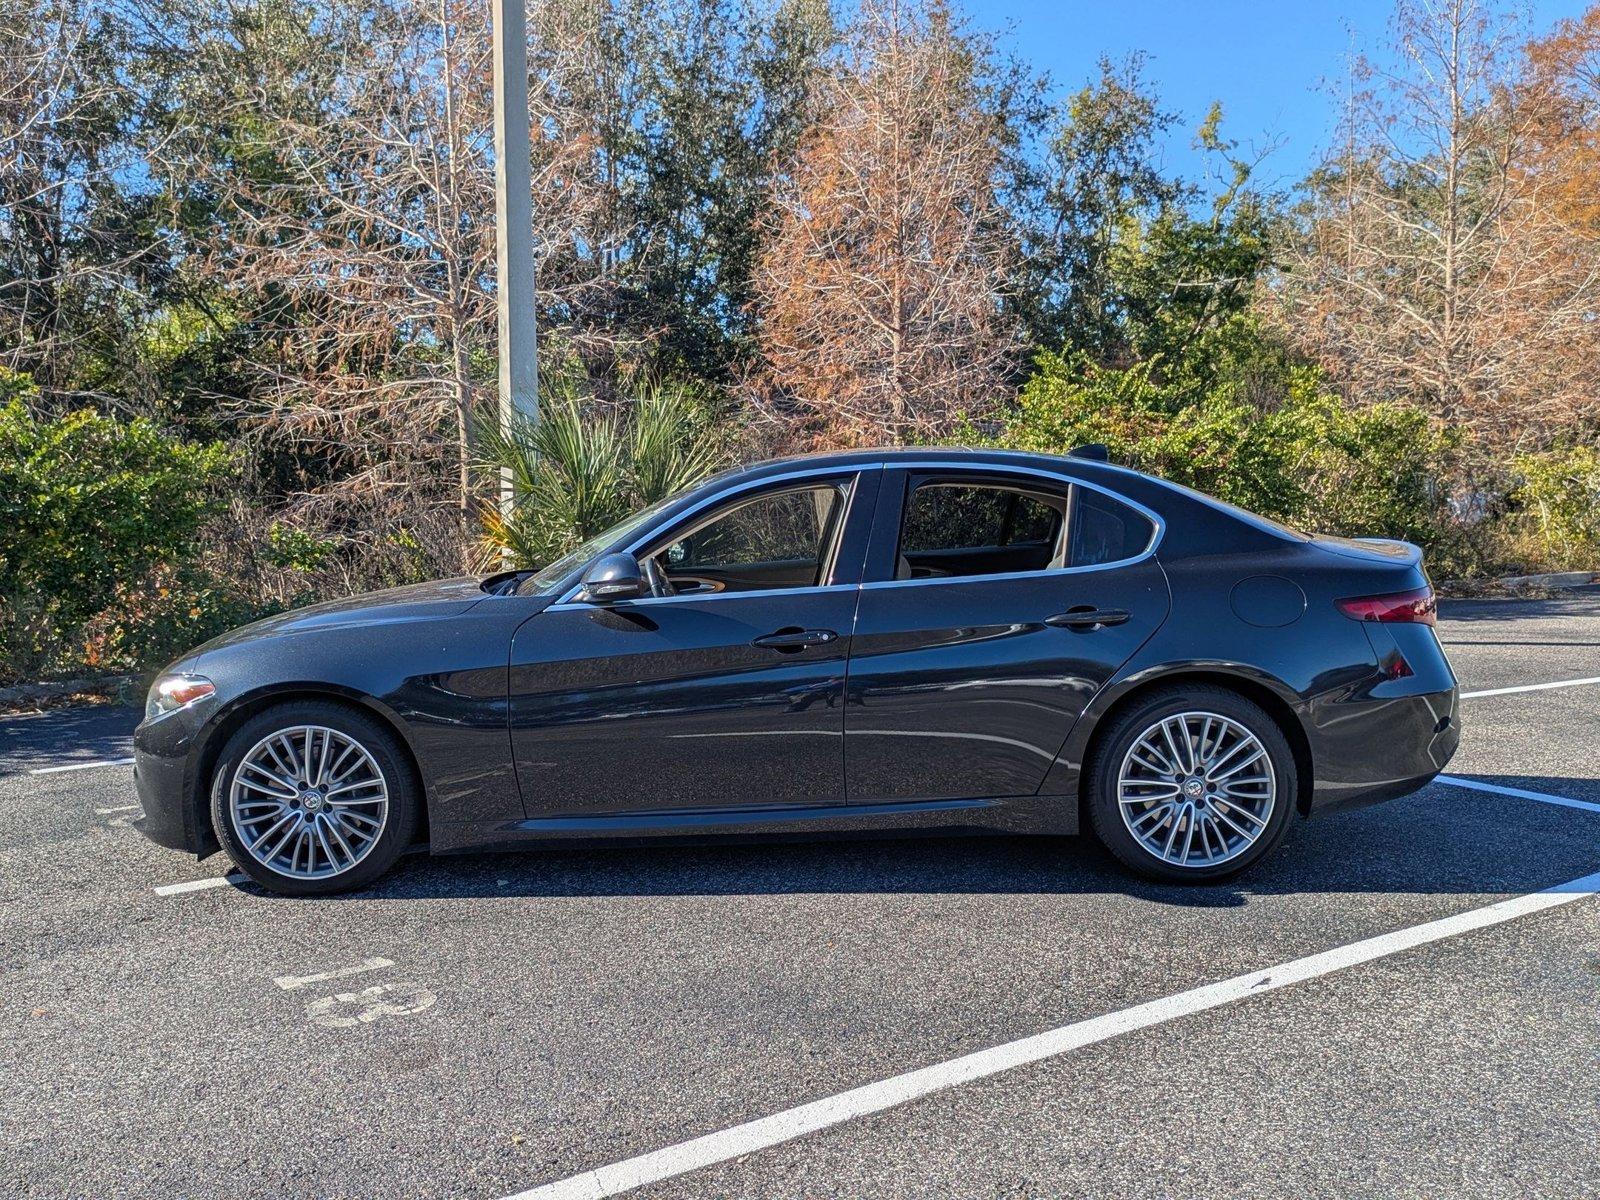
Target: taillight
[1417,607]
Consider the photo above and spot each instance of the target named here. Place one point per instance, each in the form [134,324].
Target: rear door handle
[795,639]
[1088,618]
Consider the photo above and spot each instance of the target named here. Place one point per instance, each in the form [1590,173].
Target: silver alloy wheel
[309,802]
[1196,789]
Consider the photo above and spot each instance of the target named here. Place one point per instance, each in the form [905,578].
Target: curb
[1553,579]
[26,693]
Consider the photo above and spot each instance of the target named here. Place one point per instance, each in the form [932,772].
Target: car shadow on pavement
[61,736]
[1574,602]
[1443,840]
[1447,643]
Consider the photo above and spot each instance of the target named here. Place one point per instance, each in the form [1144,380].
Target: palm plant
[580,469]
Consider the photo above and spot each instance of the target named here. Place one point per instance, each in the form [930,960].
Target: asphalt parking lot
[480,1027]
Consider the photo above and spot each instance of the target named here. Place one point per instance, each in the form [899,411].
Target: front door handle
[795,639]
[1088,618]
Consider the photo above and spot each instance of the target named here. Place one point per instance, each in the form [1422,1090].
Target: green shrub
[292,549]
[152,620]
[92,510]
[1307,458]
[584,467]
[1558,495]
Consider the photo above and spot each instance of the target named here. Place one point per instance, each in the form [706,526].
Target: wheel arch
[232,717]
[1271,695]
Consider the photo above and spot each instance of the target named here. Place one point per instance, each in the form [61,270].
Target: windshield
[546,578]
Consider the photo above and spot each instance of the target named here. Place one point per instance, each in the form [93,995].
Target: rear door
[996,603]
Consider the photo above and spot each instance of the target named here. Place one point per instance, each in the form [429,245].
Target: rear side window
[963,530]
[1105,530]
[952,517]
[1032,523]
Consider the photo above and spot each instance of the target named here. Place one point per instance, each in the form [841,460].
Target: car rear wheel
[1191,783]
[312,798]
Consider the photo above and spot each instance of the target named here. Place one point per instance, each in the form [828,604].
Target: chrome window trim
[1042,573]
[853,475]
[701,597]
[568,602]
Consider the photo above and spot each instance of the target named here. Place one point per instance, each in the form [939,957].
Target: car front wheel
[1191,784]
[313,798]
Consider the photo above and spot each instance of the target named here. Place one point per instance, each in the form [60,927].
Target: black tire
[404,793]
[1112,744]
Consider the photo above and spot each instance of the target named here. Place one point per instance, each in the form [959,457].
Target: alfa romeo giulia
[909,641]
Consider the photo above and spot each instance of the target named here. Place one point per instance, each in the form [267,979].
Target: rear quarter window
[1105,530]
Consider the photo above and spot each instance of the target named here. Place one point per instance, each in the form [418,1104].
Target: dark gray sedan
[913,641]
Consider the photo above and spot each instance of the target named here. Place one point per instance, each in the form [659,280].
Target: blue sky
[1264,61]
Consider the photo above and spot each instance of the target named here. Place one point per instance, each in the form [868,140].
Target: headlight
[172,692]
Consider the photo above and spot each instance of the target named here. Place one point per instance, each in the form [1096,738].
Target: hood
[439,598]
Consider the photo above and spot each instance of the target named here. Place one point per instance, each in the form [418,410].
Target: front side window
[775,540]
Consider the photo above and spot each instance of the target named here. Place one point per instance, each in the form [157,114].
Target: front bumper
[164,774]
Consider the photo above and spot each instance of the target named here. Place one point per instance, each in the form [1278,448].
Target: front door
[996,604]
[726,693]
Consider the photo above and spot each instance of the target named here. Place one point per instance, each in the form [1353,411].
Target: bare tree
[359,221]
[881,284]
[1434,268]
[64,253]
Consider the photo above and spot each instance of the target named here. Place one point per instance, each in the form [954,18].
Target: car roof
[872,454]
[954,455]
[1135,485]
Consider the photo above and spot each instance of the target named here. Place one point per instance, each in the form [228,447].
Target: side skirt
[1007,815]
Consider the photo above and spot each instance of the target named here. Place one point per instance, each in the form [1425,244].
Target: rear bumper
[1382,747]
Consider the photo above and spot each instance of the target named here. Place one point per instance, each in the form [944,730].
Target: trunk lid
[1377,552]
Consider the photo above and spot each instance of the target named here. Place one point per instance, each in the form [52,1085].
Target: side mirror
[613,577]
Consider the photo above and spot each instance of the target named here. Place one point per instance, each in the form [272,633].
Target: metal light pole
[513,199]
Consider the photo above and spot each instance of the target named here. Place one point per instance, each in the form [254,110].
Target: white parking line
[1531,687]
[899,1089]
[290,982]
[1519,793]
[200,885]
[87,766]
